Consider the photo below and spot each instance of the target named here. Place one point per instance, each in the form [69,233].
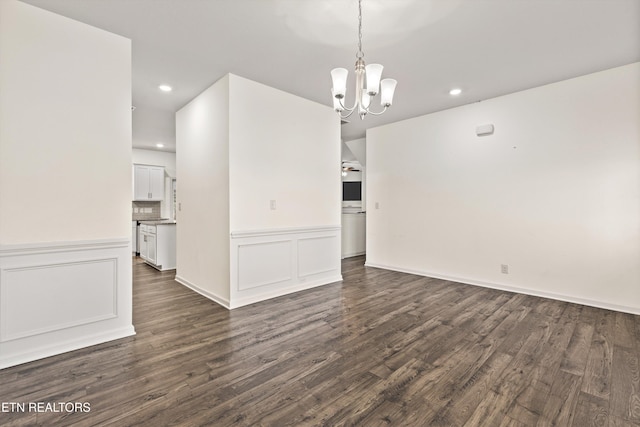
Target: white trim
[66,346]
[254,298]
[353,254]
[209,295]
[508,288]
[281,231]
[49,247]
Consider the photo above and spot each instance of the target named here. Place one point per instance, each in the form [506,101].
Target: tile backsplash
[145,210]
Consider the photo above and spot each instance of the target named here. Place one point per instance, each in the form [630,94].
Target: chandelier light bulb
[388,89]
[373,73]
[339,78]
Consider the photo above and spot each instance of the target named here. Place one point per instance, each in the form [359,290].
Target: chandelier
[369,74]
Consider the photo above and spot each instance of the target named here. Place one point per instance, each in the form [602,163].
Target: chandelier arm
[378,113]
[344,107]
[350,112]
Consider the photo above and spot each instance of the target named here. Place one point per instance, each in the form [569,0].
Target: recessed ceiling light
[165,88]
[159,145]
[455,91]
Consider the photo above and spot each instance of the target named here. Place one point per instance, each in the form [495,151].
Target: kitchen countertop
[158,222]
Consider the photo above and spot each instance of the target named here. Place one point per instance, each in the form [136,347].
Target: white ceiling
[486,47]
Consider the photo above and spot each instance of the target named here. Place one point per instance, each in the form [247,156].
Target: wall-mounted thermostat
[484,130]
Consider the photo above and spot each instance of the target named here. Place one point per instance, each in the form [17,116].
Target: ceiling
[487,48]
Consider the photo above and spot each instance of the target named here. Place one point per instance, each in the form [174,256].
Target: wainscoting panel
[270,263]
[316,255]
[61,296]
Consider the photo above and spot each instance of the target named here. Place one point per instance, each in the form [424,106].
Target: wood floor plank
[597,377]
[591,411]
[625,385]
[381,348]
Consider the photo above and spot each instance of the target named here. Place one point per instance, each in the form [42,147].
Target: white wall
[554,193]
[65,181]
[282,148]
[202,158]
[65,139]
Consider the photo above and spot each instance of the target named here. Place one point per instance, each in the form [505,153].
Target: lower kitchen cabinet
[158,244]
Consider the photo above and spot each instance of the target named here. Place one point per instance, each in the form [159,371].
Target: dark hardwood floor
[381,348]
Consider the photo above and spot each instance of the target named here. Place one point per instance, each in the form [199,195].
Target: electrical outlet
[504,268]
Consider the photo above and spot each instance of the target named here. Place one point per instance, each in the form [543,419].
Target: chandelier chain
[368,84]
[360,54]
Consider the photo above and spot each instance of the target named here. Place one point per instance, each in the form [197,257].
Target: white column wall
[241,144]
[554,193]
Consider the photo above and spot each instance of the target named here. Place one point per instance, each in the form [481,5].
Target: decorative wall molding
[514,289]
[270,263]
[61,296]
[51,247]
[49,289]
[282,231]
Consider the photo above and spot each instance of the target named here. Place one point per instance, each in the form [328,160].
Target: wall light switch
[377,205]
[272,204]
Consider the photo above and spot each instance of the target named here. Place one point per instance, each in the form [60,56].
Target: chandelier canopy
[369,74]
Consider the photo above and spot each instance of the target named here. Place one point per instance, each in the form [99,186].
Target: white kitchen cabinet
[148,183]
[354,234]
[134,237]
[144,247]
[158,244]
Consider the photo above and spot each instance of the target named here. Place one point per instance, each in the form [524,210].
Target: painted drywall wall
[202,160]
[288,152]
[65,139]
[554,193]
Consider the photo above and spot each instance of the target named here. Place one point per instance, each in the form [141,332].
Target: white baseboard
[353,254]
[514,289]
[210,295]
[64,347]
[61,296]
[258,297]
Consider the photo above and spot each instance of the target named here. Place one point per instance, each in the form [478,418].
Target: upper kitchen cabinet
[148,183]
